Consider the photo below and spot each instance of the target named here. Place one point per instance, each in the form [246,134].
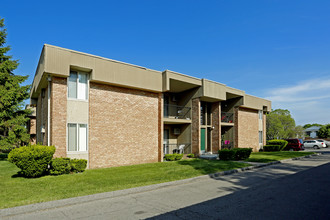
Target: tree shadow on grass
[261,160]
[211,166]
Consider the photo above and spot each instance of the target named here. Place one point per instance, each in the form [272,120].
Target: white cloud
[307,100]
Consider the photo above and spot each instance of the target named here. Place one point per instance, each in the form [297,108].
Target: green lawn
[17,190]
[265,157]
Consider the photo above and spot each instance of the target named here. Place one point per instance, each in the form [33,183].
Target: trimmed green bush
[191,155]
[242,153]
[59,166]
[3,156]
[78,165]
[169,157]
[270,148]
[33,160]
[178,156]
[226,154]
[173,157]
[281,143]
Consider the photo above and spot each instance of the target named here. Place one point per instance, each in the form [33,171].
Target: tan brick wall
[160,127]
[195,126]
[33,125]
[58,115]
[123,126]
[247,129]
[216,132]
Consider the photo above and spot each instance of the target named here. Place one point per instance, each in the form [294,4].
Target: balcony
[176,114]
[227,117]
[183,148]
[227,144]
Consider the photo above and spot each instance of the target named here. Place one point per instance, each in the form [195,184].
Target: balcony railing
[183,148]
[227,144]
[227,117]
[176,111]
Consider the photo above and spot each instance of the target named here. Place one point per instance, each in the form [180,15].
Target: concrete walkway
[157,200]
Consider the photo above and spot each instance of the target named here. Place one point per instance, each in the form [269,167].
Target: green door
[203,139]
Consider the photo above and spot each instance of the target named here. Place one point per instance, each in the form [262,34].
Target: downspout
[49,79]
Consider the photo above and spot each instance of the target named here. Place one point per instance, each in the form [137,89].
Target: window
[260,137]
[77,85]
[77,137]
[260,114]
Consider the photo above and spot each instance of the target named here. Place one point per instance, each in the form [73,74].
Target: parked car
[327,143]
[314,144]
[294,144]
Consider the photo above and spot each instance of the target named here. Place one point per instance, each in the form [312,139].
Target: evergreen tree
[13,117]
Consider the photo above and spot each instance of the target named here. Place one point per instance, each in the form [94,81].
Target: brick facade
[195,126]
[124,126]
[58,115]
[216,124]
[247,129]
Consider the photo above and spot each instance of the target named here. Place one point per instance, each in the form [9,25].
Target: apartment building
[113,113]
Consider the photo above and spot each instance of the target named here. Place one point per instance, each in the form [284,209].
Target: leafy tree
[324,131]
[13,118]
[280,125]
[299,131]
[311,125]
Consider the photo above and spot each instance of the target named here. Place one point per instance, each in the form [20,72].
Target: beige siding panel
[256,103]
[57,61]
[214,90]
[77,111]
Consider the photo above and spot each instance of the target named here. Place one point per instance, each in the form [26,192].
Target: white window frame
[260,114]
[261,137]
[77,86]
[77,137]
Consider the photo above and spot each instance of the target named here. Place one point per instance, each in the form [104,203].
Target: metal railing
[177,111]
[227,144]
[227,117]
[183,148]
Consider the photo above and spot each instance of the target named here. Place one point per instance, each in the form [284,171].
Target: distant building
[312,131]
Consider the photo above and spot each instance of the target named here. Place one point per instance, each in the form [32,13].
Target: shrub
[226,154]
[242,153]
[178,156]
[78,165]
[32,160]
[6,147]
[191,155]
[173,157]
[3,156]
[269,148]
[170,157]
[59,166]
[281,143]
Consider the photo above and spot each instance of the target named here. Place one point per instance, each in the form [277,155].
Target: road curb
[21,210]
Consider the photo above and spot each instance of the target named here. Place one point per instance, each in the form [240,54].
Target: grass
[17,190]
[264,157]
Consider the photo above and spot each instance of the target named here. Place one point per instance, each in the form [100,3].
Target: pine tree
[13,117]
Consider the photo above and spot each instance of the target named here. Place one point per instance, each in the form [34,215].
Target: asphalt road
[294,189]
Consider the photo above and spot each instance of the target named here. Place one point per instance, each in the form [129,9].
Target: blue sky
[275,49]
